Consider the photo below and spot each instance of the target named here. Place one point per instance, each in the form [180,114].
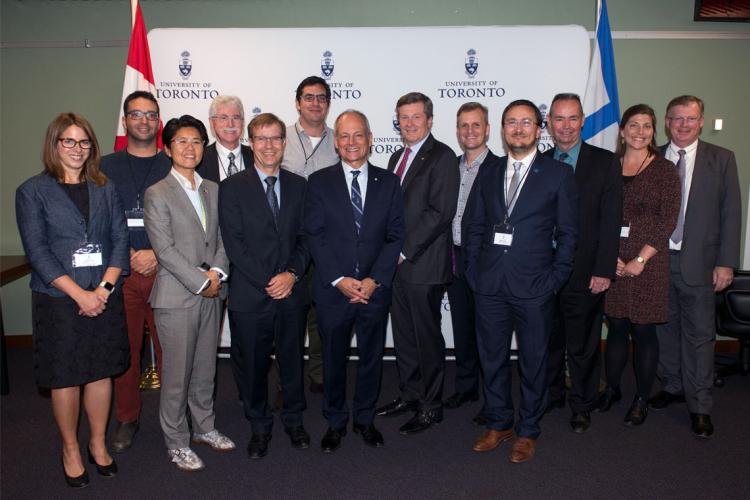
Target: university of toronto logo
[327,64]
[471,64]
[185,66]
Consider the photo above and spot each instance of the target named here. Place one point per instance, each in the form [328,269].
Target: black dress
[70,349]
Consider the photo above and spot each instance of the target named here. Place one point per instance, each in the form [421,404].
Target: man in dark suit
[578,319]
[260,213]
[226,156]
[517,210]
[704,250]
[354,223]
[429,181]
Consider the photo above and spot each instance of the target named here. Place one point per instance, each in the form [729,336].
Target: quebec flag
[600,103]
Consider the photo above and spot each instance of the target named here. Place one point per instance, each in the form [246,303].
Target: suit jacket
[546,209]
[713,217]
[257,251]
[209,167]
[599,181]
[52,229]
[430,190]
[180,243]
[334,243]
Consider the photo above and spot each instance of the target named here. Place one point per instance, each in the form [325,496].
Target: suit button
[206,243]
[505,251]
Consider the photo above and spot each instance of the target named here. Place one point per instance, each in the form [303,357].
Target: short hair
[139,94]
[473,106]
[51,158]
[415,97]
[522,102]
[265,120]
[685,100]
[356,113]
[222,100]
[313,80]
[638,109]
[185,121]
[567,96]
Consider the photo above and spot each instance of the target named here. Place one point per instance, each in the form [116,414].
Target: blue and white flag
[600,104]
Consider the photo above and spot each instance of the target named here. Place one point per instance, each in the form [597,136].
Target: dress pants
[419,342]
[497,315]
[369,321]
[577,329]
[189,338]
[314,348]
[464,334]
[687,341]
[256,334]
[136,289]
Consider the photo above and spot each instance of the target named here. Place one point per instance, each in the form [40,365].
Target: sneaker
[215,440]
[186,459]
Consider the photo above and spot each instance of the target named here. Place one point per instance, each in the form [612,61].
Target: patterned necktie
[357,209]
[232,166]
[564,157]
[513,188]
[402,165]
[273,202]
[678,230]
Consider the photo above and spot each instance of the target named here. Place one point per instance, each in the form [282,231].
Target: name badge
[625,231]
[89,255]
[503,235]
[135,217]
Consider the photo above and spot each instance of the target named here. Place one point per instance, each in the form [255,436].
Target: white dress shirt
[673,156]
[223,157]
[414,150]
[523,173]
[362,181]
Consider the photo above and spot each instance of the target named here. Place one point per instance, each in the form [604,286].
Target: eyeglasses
[513,123]
[184,141]
[226,118]
[679,120]
[69,143]
[262,141]
[315,97]
[137,114]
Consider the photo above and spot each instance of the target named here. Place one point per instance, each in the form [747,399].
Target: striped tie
[357,209]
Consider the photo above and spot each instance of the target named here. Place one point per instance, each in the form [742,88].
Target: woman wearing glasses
[73,230]
[181,215]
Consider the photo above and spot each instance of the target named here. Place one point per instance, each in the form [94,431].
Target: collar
[688,150]
[224,152]
[477,161]
[262,174]
[572,152]
[363,169]
[301,131]
[416,147]
[527,160]
[186,183]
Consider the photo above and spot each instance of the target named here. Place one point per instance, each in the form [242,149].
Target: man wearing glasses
[226,156]
[133,170]
[310,148]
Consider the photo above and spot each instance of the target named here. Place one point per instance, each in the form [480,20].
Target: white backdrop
[369,69]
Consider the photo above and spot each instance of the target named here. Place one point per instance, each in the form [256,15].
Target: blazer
[713,216]
[546,209]
[336,247]
[430,189]
[257,251]
[209,166]
[598,178]
[52,228]
[180,243]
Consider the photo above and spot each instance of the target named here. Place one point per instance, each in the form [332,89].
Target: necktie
[564,157]
[402,165]
[512,194]
[357,209]
[678,230]
[232,166]
[273,202]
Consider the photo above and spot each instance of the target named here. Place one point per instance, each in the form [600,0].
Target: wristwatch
[293,273]
[640,259]
[107,286]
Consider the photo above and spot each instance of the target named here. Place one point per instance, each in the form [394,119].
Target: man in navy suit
[519,207]
[354,222]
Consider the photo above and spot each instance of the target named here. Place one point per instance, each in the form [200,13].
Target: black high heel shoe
[75,482]
[104,470]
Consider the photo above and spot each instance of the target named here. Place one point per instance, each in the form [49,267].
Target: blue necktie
[357,209]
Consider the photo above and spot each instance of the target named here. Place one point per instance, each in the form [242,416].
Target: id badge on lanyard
[503,234]
[88,255]
[135,218]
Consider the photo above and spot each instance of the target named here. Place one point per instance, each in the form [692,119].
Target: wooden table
[12,267]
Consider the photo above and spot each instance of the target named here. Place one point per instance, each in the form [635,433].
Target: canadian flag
[138,73]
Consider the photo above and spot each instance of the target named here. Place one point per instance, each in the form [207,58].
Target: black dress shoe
[459,399]
[664,399]
[76,482]
[421,421]
[481,419]
[332,440]
[123,437]
[299,437]
[555,403]
[396,407]
[607,398]
[104,470]
[258,445]
[638,412]
[370,435]
[580,422]
[701,425]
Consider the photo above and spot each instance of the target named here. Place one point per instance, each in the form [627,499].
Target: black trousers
[464,331]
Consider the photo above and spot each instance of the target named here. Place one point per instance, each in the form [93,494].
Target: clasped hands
[358,291]
[214,286]
[281,285]
[92,304]
[629,269]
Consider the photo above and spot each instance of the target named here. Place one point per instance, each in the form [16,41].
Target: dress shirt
[414,150]
[276,185]
[362,181]
[223,157]
[523,173]
[572,153]
[302,157]
[468,174]
[672,156]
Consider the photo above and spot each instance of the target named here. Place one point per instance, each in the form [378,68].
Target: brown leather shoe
[523,450]
[491,439]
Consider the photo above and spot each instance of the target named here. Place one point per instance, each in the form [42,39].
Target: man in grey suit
[704,250]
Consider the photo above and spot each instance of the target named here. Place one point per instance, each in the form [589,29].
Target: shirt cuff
[222,275]
[336,281]
[403,256]
[205,285]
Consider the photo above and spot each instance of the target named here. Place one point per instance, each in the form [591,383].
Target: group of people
[540,245]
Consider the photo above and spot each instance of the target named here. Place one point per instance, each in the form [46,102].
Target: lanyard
[239,166]
[139,190]
[302,144]
[509,202]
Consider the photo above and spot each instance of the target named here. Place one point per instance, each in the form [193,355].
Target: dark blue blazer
[546,210]
[52,228]
[334,243]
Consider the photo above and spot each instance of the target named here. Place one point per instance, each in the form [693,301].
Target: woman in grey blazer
[73,230]
[182,221]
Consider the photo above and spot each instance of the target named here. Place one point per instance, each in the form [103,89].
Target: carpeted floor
[659,460]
